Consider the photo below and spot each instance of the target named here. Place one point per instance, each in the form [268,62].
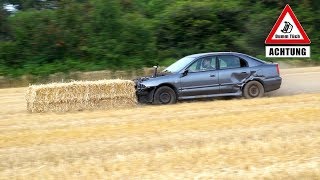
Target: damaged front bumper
[144,94]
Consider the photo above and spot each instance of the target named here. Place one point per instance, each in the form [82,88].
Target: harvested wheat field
[277,137]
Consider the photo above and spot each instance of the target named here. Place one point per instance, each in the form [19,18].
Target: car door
[200,80]
[232,72]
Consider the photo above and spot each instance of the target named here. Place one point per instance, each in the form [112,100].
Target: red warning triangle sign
[287,30]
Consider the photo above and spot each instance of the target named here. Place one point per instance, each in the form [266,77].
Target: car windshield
[178,65]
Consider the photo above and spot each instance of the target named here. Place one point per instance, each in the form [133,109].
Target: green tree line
[40,37]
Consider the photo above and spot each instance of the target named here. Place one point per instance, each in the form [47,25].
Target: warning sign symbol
[287,30]
[287,27]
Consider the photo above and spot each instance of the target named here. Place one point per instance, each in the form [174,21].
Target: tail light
[278,69]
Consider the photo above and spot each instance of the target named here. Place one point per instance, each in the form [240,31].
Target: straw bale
[121,74]
[81,95]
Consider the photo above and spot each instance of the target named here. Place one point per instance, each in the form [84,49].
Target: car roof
[214,53]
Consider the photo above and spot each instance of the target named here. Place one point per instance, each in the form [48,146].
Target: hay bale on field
[81,95]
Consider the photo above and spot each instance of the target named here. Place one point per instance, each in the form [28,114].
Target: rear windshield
[256,59]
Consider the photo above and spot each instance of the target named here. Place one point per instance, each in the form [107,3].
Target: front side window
[203,64]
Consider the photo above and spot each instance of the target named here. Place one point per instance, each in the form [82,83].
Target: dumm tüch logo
[287,37]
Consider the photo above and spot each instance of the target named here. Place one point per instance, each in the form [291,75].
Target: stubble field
[272,137]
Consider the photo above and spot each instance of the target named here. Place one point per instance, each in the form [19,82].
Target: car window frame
[218,62]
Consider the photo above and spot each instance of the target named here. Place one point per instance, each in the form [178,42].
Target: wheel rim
[254,91]
[165,97]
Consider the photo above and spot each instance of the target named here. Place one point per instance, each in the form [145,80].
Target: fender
[253,76]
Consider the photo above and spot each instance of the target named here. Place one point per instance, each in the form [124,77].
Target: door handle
[212,75]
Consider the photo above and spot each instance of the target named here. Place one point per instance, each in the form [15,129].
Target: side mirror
[185,72]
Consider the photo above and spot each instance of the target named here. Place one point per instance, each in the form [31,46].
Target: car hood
[151,81]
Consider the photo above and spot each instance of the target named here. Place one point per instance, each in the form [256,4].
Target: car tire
[164,95]
[253,89]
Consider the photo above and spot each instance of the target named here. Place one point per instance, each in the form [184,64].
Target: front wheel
[164,95]
[253,89]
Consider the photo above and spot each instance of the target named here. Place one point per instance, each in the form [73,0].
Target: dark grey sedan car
[210,75]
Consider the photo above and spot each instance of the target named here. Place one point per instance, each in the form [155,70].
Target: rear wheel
[253,89]
[165,95]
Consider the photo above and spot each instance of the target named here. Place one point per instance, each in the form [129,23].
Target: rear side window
[229,61]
